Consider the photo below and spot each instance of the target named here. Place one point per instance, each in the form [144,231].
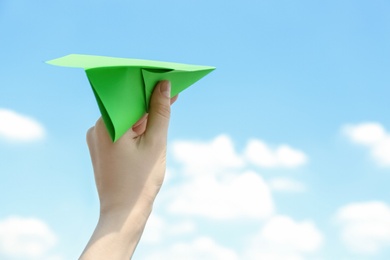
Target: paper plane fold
[123,87]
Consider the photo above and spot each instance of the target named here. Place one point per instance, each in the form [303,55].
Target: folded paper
[123,87]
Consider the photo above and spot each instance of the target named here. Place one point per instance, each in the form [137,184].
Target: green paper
[123,87]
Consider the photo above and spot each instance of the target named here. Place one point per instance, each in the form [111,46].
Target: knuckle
[89,135]
[100,129]
[163,110]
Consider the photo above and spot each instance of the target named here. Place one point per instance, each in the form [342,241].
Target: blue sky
[295,119]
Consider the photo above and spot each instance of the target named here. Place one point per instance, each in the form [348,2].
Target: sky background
[282,152]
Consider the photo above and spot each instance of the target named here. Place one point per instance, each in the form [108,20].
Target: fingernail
[165,88]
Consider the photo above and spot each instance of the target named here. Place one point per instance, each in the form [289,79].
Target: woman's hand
[128,175]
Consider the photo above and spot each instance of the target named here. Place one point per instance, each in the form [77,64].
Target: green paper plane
[123,87]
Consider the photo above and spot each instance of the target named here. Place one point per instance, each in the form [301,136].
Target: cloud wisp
[27,238]
[219,155]
[18,127]
[374,137]
[365,226]
[283,156]
[232,197]
[200,248]
[284,238]
[283,184]
[215,156]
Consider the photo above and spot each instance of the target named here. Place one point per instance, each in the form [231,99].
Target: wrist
[117,233]
[131,217]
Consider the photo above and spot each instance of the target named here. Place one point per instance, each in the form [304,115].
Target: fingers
[140,127]
[99,132]
[159,113]
[173,100]
[159,107]
[89,136]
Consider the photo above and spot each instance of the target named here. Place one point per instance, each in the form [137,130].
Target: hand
[128,175]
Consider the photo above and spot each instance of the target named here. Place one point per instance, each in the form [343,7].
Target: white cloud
[154,229]
[53,257]
[284,232]
[210,189]
[365,133]
[157,229]
[169,172]
[205,158]
[186,227]
[219,155]
[365,227]
[201,248]
[215,184]
[25,237]
[283,238]
[243,195]
[286,185]
[17,127]
[258,153]
[374,137]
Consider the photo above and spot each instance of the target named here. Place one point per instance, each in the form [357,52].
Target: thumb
[159,113]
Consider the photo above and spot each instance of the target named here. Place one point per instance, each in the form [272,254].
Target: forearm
[117,234]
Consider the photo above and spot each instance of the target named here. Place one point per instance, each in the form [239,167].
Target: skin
[128,175]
